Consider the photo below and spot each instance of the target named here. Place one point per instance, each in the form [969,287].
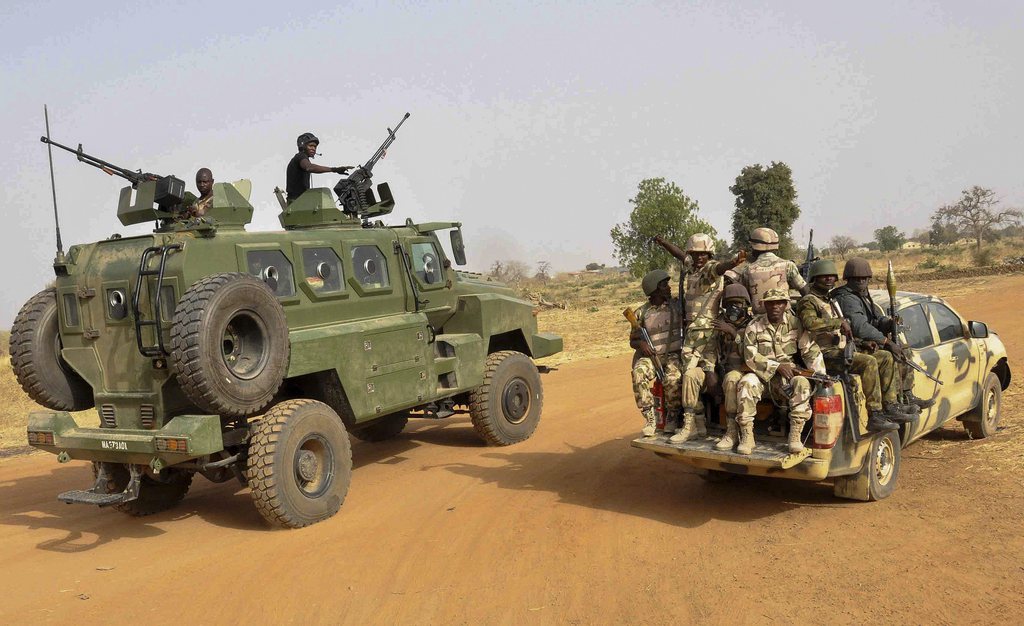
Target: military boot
[688,431]
[729,440]
[650,422]
[796,428]
[879,422]
[700,426]
[901,413]
[918,402]
[746,445]
[671,422]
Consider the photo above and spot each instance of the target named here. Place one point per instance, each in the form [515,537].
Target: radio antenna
[53,185]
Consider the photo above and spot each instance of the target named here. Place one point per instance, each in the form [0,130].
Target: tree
[593,267]
[975,214]
[543,271]
[841,245]
[498,270]
[765,196]
[515,271]
[889,238]
[942,234]
[659,208]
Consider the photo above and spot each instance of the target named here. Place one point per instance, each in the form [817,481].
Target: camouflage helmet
[823,267]
[857,267]
[700,243]
[736,290]
[775,294]
[764,239]
[305,138]
[652,280]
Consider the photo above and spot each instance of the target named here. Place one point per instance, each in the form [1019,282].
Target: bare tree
[543,271]
[515,271]
[498,270]
[975,214]
[841,245]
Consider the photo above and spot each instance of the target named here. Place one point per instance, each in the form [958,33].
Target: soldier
[765,270]
[871,327]
[300,167]
[771,343]
[734,317]
[660,316]
[204,184]
[822,317]
[700,279]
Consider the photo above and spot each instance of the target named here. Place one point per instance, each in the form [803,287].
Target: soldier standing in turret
[870,326]
[766,270]
[204,185]
[729,326]
[700,285]
[661,317]
[301,166]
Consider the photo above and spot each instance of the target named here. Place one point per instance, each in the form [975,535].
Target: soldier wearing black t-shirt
[300,167]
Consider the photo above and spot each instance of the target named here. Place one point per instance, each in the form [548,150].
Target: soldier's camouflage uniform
[869,324]
[662,324]
[767,271]
[765,347]
[730,357]
[702,293]
[822,317]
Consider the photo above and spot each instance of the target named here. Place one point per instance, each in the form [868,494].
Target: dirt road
[572,526]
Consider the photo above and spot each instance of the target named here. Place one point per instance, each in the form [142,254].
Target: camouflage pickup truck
[966,356]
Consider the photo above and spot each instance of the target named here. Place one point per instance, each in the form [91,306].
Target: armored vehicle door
[958,363]
[431,277]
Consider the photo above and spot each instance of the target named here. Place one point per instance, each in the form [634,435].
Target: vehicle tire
[506,408]
[154,495]
[35,347]
[229,344]
[384,428]
[983,420]
[877,478]
[300,463]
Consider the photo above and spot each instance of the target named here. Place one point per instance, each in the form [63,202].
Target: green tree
[975,214]
[659,208]
[765,196]
[942,233]
[889,238]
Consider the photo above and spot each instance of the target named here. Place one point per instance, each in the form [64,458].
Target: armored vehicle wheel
[384,428]
[983,420]
[300,463]
[877,477]
[229,344]
[155,495]
[35,357]
[505,409]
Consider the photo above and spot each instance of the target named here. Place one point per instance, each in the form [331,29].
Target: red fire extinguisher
[659,403]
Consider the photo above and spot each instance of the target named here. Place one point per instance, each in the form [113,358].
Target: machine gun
[170,190]
[634,323]
[898,354]
[805,267]
[354,193]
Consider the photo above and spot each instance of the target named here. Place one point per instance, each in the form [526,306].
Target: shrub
[983,257]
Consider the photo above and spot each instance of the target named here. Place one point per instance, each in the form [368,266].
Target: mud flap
[98,494]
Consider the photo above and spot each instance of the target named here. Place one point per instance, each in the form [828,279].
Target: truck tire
[876,479]
[983,420]
[229,344]
[506,408]
[300,463]
[154,495]
[384,428]
[35,357]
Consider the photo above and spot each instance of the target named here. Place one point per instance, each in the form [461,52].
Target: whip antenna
[53,185]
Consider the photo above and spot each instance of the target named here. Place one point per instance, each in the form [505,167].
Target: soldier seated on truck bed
[660,317]
[771,344]
[729,326]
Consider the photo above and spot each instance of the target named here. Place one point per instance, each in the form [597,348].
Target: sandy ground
[573,526]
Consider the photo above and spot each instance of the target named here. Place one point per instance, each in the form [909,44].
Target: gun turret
[170,190]
[354,192]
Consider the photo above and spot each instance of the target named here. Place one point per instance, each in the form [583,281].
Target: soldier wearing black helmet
[823,318]
[732,320]
[660,316]
[765,270]
[301,166]
[871,326]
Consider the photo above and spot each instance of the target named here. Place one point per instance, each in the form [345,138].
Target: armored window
[916,330]
[274,269]
[426,263]
[370,266]
[321,269]
[946,322]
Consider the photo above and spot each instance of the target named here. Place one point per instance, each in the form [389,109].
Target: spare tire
[35,357]
[229,344]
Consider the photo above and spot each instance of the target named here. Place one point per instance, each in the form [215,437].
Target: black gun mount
[170,190]
[355,194]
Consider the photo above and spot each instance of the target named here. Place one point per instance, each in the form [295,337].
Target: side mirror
[979,330]
[458,248]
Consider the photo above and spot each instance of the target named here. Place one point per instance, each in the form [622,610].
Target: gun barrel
[114,170]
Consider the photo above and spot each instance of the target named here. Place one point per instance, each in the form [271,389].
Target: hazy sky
[532,123]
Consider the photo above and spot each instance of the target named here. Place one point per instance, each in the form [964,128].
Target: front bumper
[201,434]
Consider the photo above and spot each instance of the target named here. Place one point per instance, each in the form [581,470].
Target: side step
[98,494]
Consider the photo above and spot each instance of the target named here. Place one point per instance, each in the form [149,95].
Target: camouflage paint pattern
[644,376]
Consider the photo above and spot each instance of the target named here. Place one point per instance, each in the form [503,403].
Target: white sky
[531,122]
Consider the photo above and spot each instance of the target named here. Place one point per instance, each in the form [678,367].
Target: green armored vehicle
[252,355]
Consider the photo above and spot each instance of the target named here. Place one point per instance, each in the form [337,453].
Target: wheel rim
[313,466]
[244,345]
[515,400]
[991,407]
[885,461]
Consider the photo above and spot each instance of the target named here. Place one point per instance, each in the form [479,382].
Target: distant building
[911,245]
[859,249]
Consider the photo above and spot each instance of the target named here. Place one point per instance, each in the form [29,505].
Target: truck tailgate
[768,457]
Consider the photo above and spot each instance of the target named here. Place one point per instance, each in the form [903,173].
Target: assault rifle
[354,192]
[811,375]
[805,267]
[634,323]
[170,190]
[897,328]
